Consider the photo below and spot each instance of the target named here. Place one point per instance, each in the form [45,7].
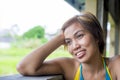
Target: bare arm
[114,67]
[33,63]
[117,67]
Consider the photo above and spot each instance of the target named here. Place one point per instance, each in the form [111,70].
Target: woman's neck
[94,66]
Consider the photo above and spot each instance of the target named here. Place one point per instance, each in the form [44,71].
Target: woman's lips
[80,54]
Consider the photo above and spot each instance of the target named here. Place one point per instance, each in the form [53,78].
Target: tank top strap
[77,75]
[81,75]
[107,74]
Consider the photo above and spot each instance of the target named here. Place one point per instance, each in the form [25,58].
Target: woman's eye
[68,42]
[80,36]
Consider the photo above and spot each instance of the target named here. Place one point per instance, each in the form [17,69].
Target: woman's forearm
[34,60]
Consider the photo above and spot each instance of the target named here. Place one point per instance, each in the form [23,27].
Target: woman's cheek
[85,42]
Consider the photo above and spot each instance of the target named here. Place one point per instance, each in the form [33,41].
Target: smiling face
[91,24]
[80,42]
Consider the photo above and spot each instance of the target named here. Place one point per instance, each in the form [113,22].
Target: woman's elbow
[20,69]
[23,70]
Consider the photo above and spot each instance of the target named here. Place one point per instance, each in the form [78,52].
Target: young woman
[83,37]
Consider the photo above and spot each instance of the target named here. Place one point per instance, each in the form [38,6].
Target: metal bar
[117,37]
[102,15]
[20,77]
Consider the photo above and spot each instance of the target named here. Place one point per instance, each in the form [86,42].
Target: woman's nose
[76,45]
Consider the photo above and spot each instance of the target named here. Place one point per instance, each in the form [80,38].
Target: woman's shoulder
[114,60]
[66,61]
[113,65]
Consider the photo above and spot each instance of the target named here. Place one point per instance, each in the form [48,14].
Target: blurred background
[27,24]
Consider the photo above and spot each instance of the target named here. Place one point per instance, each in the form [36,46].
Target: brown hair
[89,22]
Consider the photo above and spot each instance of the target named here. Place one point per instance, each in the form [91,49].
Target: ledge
[20,77]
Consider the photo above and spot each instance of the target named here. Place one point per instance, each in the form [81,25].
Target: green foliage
[9,58]
[14,52]
[30,39]
[8,65]
[36,32]
[43,40]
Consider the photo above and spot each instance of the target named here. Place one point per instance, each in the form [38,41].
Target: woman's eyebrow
[79,31]
[75,33]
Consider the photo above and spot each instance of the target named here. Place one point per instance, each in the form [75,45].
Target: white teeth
[78,54]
